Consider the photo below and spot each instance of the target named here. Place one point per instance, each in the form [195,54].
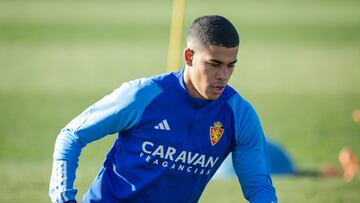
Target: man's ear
[188,56]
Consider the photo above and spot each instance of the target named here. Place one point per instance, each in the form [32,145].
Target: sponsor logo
[216,132]
[170,157]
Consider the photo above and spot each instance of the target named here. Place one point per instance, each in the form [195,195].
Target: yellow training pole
[175,35]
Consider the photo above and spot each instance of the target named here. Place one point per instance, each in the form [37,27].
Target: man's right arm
[115,112]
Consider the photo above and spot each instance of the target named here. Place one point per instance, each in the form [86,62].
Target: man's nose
[223,74]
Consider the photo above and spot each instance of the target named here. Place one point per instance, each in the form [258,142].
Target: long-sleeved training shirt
[169,145]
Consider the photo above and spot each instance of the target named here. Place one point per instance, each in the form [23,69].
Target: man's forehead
[221,54]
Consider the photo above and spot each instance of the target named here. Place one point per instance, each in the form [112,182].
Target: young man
[174,130]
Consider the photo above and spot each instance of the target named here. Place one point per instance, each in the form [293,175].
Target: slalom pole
[177,19]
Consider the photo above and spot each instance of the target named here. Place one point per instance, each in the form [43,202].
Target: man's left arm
[250,156]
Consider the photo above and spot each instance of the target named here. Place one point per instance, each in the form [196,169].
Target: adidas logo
[163,125]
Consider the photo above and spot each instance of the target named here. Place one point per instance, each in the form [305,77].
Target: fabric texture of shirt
[169,145]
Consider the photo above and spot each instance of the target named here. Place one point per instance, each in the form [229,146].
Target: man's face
[211,70]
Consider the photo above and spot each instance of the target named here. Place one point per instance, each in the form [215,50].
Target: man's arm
[250,156]
[115,112]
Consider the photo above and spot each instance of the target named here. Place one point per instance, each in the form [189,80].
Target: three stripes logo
[163,125]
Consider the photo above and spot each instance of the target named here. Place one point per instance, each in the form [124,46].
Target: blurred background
[299,65]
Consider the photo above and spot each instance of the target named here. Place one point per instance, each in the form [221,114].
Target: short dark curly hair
[213,30]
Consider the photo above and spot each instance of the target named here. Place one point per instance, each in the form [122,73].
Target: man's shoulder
[161,81]
[136,88]
[235,100]
[152,85]
[165,80]
[231,94]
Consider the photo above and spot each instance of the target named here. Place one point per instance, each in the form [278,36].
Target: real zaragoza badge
[216,132]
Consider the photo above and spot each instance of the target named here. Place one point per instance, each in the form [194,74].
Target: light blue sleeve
[118,111]
[250,155]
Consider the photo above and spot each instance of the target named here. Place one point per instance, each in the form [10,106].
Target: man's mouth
[218,89]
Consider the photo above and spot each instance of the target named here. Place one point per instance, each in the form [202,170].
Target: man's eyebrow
[220,62]
[216,61]
[233,62]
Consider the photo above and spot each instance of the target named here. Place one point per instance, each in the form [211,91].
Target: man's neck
[189,84]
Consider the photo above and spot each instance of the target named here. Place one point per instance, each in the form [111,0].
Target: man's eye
[215,64]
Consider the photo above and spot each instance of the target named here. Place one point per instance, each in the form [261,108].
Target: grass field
[299,65]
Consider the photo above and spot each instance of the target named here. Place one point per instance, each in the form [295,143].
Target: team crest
[216,132]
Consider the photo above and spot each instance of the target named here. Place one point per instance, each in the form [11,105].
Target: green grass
[298,65]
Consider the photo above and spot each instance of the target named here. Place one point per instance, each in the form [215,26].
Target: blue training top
[169,145]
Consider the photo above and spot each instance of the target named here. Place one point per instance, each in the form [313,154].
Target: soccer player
[174,130]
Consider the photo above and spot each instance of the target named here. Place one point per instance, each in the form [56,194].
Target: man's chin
[213,96]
